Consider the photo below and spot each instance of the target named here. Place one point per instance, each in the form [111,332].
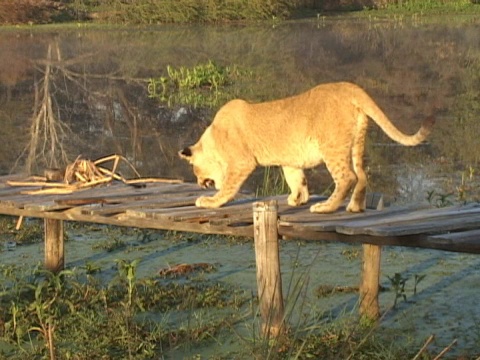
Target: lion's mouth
[207,183]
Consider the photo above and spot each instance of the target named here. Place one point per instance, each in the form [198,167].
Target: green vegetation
[398,282]
[73,315]
[209,11]
[27,233]
[200,85]
[432,6]
[181,11]
[273,182]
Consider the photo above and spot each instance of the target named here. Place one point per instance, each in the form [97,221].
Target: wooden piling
[370,281]
[269,279]
[54,251]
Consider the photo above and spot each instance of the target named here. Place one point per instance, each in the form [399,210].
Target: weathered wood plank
[464,240]
[109,209]
[22,201]
[120,190]
[185,213]
[428,226]
[330,222]
[404,219]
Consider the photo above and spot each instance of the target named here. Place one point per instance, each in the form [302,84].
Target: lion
[326,124]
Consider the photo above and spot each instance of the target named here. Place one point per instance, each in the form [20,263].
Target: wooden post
[54,252]
[370,281]
[269,279]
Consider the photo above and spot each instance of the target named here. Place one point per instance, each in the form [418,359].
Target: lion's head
[207,167]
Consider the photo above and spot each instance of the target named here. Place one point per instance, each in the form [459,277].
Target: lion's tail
[377,115]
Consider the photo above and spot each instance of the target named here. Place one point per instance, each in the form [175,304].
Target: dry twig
[83,173]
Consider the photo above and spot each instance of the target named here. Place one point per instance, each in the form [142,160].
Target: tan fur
[325,124]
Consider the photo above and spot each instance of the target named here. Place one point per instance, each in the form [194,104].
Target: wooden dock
[171,207]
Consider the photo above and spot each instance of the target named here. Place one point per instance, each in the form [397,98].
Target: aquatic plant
[58,315]
[199,85]
[70,316]
[439,199]
[398,282]
[417,279]
[110,244]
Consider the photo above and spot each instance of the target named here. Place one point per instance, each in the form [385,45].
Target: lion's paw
[322,208]
[354,207]
[298,199]
[207,202]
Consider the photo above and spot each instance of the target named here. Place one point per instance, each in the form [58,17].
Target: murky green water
[96,82]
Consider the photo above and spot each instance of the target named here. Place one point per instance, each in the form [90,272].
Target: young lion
[325,124]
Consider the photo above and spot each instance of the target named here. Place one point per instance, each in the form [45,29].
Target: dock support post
[54,252]
[269,279]
[370,282]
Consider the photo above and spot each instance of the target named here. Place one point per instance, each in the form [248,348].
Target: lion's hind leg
[344,178]
[298,185]
[357,201]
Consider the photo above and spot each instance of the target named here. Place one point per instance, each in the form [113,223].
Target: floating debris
[182,269]
[10,245]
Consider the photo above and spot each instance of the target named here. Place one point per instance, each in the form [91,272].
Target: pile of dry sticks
[82,174]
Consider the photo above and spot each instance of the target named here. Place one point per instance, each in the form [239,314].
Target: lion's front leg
[231,184]
[297,183]
[211,202]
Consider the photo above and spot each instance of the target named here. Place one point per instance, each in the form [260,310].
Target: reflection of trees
[47,131]
[458,137]
[13,64]
[96,85]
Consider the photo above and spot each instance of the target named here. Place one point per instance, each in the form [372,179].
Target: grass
[147,12]
[180,11]
[199,86]
[77,314]
[73,315]
[273,183]
[432,6]
[220,11]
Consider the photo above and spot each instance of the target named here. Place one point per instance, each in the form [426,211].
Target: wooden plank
[188,212]
[406,218]
[470,235]
[22,201]
[244,205]
[149,203]
[470,246]
[15,190]
[120,190]
[119,193]
[427,226]
[468,241]
[330,222]
[45,205]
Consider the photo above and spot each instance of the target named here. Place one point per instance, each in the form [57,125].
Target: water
[97,81]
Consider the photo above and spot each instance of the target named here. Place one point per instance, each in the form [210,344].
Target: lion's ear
[185,153]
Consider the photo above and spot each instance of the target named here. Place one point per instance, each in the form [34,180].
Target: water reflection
[72,92]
